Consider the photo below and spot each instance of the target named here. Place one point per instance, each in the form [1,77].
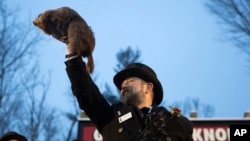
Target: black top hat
[12,135]
[144,72]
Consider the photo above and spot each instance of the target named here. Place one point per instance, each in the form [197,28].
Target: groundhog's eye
[39,15]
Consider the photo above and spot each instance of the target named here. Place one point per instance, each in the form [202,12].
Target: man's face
[132,91]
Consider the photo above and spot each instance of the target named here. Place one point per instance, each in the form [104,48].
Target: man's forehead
[132,77]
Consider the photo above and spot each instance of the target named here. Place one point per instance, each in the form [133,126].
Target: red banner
[204,130]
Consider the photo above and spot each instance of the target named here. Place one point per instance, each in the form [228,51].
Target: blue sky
[179,39]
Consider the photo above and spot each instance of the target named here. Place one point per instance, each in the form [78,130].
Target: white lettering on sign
[240,132]
[97,136]
[211,134]
[222,134]
[200,133]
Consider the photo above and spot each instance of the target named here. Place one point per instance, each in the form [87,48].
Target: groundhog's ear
[47,21]
[53,18]
[58,17]
[49,15]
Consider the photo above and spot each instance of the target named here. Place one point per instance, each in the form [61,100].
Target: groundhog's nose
[34,23]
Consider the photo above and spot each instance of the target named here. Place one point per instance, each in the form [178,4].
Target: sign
[208,129]
[211,133]
[88,132]
[212,129]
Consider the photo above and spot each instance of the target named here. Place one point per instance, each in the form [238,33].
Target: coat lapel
[130,119]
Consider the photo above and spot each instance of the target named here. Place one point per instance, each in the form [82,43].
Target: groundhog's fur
[68,26]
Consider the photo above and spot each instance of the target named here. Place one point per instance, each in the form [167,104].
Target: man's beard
[131,97]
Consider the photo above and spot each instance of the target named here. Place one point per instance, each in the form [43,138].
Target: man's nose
[125,83]
[124,89]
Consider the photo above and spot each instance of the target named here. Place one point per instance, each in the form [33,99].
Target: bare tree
[72,116]
[234,18]
[40,120]
[15,48]
[124,57]
[22,89]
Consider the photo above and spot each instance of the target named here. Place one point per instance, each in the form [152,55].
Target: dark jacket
[119,122]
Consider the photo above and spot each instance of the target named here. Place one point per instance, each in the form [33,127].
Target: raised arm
[87,93]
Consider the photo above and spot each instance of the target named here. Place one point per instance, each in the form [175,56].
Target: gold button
[168,139]
[120,129]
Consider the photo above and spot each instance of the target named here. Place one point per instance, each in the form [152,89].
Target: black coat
[119,122]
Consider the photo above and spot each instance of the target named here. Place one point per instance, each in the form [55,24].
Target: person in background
[12,136]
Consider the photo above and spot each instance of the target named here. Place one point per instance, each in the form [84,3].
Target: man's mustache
[127,91]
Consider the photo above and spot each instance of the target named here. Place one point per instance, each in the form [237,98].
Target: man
[12,136]
[137,117]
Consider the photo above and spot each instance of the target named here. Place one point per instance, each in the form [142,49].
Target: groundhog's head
[45,21]
[54,22]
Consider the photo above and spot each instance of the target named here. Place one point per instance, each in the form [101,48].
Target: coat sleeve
[189,129]
[87,93]
[180,129]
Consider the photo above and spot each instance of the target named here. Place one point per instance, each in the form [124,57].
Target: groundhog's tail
[90,64]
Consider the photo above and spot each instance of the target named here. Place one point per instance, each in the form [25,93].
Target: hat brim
[140,73]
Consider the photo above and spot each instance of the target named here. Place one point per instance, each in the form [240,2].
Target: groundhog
[66,25]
